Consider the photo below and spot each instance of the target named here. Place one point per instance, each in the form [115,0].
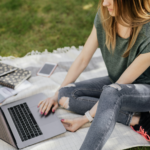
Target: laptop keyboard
[24,121]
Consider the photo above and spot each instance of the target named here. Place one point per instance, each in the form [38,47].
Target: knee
[111,93]
[65,91]
[113,86]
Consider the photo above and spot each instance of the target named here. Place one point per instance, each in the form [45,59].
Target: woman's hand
[74,124]
[45,105]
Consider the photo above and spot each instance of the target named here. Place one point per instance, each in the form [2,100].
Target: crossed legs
[81,96]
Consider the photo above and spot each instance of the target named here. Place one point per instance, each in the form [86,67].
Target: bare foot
[74,124]
[134,120]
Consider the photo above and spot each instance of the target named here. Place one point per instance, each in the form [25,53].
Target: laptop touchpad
[42,119]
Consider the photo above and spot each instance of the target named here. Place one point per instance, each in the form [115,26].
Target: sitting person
[122,30]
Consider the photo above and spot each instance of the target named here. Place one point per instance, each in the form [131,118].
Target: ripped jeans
[117,103]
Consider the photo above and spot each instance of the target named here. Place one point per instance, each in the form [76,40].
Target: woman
[121,29]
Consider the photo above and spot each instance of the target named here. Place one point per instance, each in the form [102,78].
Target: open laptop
[22,125]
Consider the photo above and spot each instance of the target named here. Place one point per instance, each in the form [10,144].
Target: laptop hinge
[5,131]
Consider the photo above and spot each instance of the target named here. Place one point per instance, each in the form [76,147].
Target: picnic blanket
[122,137]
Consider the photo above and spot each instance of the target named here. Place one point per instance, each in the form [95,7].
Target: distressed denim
[117,103]
[84,95]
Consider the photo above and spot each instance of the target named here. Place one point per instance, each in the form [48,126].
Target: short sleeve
[146,47]
[97,19]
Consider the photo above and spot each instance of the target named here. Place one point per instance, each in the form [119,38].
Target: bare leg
[135,120]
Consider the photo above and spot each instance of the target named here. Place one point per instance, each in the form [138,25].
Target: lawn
[27,25]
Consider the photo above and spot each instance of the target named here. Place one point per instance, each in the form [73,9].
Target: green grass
[139,148]
[27,25]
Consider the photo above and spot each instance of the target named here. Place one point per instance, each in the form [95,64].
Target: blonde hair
[132,13]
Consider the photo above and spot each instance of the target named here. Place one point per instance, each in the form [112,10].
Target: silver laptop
[22,125]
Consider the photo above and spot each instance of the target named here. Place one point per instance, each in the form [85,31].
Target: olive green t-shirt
[115,63]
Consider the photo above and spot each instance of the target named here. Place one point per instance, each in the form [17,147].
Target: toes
[66,125]
[67,121]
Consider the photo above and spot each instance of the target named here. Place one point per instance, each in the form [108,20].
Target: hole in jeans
[116,86]
[64,102]
[129,86]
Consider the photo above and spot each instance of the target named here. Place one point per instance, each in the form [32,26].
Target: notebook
[4,69]
[15,78]
[6,92]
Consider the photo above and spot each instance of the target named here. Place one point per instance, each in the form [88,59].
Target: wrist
[56,92]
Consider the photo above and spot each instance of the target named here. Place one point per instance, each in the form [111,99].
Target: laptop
[22,125]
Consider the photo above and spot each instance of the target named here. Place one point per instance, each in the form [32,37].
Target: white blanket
[122,137]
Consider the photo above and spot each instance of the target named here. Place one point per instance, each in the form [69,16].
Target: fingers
[39,103]
[48,108]
[42,106]
[45,107]
[55,107]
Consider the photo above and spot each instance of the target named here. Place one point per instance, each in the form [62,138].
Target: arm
[138,66]
[75,70]
[82,60]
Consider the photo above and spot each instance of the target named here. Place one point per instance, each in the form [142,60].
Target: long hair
[129,13]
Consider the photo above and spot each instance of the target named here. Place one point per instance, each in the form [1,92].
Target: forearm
[83,59]
[75,70]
